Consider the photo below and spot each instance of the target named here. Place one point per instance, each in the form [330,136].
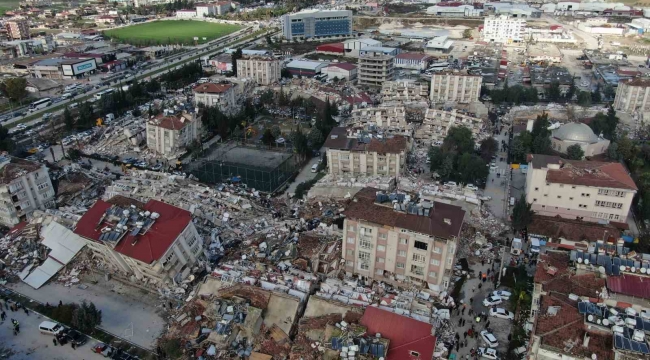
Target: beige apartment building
[382,116]
[404,91]
[264,70]
[221,95]
[405,242]
[24,187]
[170,134]
[455,87]
[586,190]
[17,29]
[349,154]
[375,68]
[436,124]
[633,96]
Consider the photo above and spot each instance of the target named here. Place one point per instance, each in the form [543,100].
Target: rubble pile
[20,251]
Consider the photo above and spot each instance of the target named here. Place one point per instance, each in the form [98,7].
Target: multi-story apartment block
[404,91]
[633,96]
[436,124]
[586,190]
[17,29]
[314,24]
[504,29]
[382,116]
[24,187]
[169,134]
[203,10]
[375,68]
[455,87]
[388,241]
[365,156]
[264,70]
[156,242]
[221,95]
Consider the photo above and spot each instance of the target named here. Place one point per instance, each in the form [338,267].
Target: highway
[212,48]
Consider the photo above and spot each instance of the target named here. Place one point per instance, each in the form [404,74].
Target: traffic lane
[30,344]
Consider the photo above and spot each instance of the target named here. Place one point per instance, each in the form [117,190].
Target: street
[30,344]
[496,187]
[304,175]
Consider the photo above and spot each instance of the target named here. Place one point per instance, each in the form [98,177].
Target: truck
[516,247]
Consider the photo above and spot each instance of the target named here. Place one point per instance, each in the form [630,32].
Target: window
[364,255]
[421,245]
[366,231]
[379,259]
[536,189]
[379,272]
[350,227]
[383,235]
[401,265]
[401,253]
[381,248]
[573,187]
[437,250]
[570,198]
[349,263]
[435,262]
[432,274]
[365,244]
[545,195]
[559,197]
[561,185]
[417,270]
[534,200]
[349,252]
[419,258]
[403,231]
[415,353]
[403,241]
[449,260]
[350,240]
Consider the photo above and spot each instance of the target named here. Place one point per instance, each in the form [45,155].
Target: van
[314,168]
[512,201]
[50,327]
[66,96]
[534,245]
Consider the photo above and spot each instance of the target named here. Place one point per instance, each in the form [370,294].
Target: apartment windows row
[611,192]
[609,204]
[606,216]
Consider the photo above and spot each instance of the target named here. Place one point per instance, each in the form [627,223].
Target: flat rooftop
[263,159]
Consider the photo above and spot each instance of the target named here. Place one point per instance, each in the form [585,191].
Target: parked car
[489,339]
[492,300]
[450,184]
[471,187]
[101,348]
[505,295]
[502,313]
[75,337]
[487,353]
[50,327]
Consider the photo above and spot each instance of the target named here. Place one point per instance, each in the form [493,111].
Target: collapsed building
[436,124]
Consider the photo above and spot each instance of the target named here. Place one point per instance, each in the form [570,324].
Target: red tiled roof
[171,122]
[334,47]
[405,334]
[412,56]
[344,66]
[630,285]
[153,244]
[574,230]
[555,27]
[557,260]
[210,88]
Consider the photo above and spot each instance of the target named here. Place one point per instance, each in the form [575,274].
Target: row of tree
[519,94]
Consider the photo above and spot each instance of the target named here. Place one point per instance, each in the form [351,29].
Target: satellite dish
[593,357]
[598,321]
[622,267]
[633,269]
[605,322]
[586,261]
[601,269]
[590,318]
[579,260]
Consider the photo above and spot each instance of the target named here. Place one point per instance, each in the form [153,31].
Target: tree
[553,93]
[571,91]
[584,98]
[86,317]
[612,151]
[435,158]
[522,215]
[595,95]
[15,89]
[86,116]
[300,144]
[609,92]
[6,143]
[68,120]
[518,150]
[153,86]
[459,139]
[467,33]
[540,126]
[447,167]
[489,147]
[236,55]
[542,145]
[315,138]
[275,130]
[574,152]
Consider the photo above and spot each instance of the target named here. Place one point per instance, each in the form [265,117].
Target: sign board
[196,38]
[81,67]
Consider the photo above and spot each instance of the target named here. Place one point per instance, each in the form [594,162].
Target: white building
[316,24]
[264,70]
[171,134]
[585,190]
[504,29]
[352,46]
[439,44]
[222,7]
[383,116]
[633,96]
[454,11]
[203,10]
[414,61]
[185,14]
[455,87]
[578,134]
[156,242]
[221,95]
[24,187]
[340,71]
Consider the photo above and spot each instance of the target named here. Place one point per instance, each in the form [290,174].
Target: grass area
[6,5]
[81,99]
[171,32]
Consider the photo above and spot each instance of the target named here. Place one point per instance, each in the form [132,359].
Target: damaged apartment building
[392,237]
[154,241]
[381,116]
[436,124]
[365,154]
[404,91]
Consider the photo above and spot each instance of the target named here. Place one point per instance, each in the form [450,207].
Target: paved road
[119,312]
[494,187]
[30,344]
[304,175]
[590,40]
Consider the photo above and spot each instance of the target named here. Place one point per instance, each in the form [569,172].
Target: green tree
[152,86]
[435,158]
[315,138]
[6,142]
[522,215]
[540,126]
[86,317]
[86,116]
[574,152]
[612,152]
[275,130]
[68,120]
[584,98]
[447,167]
[518,150]
[553,92]
[595,95]
[235,56]
[14,88]
[609,92]
[300,144]
[267,138]
[542,145]
[467,33]
[568,96]
[488,148]
[459,139]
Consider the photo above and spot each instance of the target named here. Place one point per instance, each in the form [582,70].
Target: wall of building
[632,98]
[455,88]
[342,162]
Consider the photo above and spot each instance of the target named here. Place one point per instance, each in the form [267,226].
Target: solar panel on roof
[616,270]
[618,341]
[579,255]
[593,258]
[572,255]
[644,348]
[582,308]
[380,349]
[335,343]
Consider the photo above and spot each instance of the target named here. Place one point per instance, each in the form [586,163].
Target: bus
[40,104]
[438,66]
[101,94]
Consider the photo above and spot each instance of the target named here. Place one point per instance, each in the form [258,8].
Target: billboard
[81,67]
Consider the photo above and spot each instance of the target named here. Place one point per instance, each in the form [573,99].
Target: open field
[171,32]
[6,5]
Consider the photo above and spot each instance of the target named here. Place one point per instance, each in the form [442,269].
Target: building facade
[404,91]
[185,14]
[314,24]
[633,96]
[584,190]
[504,29]
[417,244]
[24,187]
[436,124]
[352,46]
[170,134]
[455,87]
[578,134]
[381,116]
[17,29]
[340,71]
[166,246]
[413,61]
[350,155]
[222,7]
[221,95]
[203,10]
[264,70]
[375,68]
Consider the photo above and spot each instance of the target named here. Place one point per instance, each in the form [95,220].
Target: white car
[492,300]
[502,313]
[505,295]
[489,339]
[471,187]
[279,140]
[450,184]
[487,353]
